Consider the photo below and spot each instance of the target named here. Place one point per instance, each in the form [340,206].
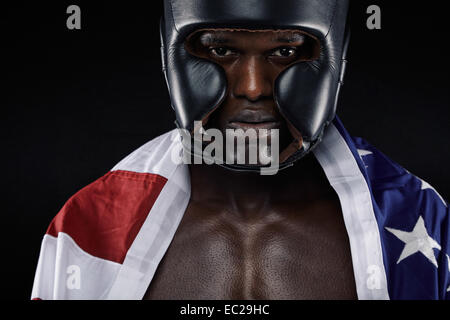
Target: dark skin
[248,236]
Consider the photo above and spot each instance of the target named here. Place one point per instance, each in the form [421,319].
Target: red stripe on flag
[105,217]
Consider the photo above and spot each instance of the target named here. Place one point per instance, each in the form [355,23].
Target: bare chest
[289,252]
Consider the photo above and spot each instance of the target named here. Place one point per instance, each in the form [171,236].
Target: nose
[252,79]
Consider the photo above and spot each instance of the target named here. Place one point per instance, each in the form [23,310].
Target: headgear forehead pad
[306,93]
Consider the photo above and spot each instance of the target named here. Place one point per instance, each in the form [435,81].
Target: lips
[254,119]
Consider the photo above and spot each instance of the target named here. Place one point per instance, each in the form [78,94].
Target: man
[334,220]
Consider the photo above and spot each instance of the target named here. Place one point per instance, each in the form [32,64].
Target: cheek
[276,69]
[226,109]
[228,106]
[233,71]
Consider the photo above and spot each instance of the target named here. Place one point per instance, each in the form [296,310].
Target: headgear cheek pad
[306,93]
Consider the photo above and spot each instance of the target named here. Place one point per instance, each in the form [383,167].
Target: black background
[75,102]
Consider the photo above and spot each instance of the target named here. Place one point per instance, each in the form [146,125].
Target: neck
[249,191]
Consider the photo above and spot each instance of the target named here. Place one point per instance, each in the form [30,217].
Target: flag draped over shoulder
[108,239]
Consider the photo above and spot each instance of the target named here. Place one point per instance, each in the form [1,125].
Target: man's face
[252,60]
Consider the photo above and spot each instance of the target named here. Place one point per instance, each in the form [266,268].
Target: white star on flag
[417,240]
[363,152]
[426,185]
[448,262]
[448,265]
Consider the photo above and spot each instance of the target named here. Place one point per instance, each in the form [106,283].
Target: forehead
[231,35]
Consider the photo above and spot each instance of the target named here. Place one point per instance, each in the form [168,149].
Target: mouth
[252,119]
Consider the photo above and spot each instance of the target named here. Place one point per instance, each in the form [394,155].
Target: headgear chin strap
[306,93]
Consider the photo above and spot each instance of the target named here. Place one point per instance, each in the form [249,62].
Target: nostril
[254,97]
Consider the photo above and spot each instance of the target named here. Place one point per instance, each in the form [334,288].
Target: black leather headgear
[306,93]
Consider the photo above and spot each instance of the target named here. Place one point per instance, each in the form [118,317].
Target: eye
[221,51]
[285,52]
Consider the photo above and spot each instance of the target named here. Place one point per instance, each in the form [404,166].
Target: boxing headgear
[306,93]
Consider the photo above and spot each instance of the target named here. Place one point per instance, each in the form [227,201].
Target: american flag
[108,239]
